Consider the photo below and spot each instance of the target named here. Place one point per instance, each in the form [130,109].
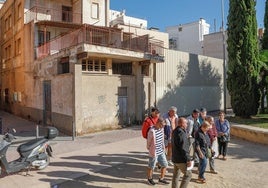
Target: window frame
[122,68]
[94,65]
[41,37]
[64,65]
[95,11]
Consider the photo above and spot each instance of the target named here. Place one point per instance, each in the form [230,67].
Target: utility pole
[224,59]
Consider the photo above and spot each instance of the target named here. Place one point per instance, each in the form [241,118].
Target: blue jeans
[202,167]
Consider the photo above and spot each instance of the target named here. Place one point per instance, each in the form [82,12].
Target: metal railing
[101,36]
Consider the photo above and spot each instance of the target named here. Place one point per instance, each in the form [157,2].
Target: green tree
[265,34]
[243,54]
[264,60]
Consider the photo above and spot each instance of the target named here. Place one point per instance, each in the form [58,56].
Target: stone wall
[249,133]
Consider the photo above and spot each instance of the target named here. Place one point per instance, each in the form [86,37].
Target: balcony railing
[47,14]
[102,36]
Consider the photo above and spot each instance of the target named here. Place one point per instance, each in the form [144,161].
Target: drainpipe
[73,105]
[155,102]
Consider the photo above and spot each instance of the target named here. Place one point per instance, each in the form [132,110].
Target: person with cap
[203,114]
[156,148]
[192,128]
[193,123]
[171,119]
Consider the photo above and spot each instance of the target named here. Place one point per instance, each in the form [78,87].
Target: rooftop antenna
[214,25]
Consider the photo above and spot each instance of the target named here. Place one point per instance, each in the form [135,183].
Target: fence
[101,36]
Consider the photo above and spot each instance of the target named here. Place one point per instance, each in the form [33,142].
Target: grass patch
[260,120]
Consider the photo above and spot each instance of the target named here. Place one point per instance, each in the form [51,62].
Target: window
[64,65]
[95,10]
[66,14]
[18,46]
[173,43]
[41,37]
[122,68]
[122,91]
[9,21]
[19,11]
[94,65]
[6,95]
[6,25]
[145,70]
[8,52]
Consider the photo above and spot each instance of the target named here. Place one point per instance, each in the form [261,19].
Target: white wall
[189,81]
[189,37]
[117,17]
[87,12]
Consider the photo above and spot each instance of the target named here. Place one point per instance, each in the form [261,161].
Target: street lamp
[224,59]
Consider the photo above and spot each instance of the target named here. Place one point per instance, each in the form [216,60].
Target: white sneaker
[170,163]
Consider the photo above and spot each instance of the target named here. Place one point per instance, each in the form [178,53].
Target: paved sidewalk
[118,159]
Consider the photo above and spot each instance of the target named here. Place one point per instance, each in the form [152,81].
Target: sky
[174,12]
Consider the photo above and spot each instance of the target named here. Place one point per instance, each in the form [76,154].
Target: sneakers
[160,181]
[163,181]
[170,163]
[202,180]
[219,156]
[151,182]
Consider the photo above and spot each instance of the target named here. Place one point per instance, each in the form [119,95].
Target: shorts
[167,142]
[161,159]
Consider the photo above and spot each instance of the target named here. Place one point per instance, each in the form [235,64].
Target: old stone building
[63,64]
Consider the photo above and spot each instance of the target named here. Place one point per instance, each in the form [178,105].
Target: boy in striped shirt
[156,147]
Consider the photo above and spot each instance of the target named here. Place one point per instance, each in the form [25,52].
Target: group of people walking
[185,142]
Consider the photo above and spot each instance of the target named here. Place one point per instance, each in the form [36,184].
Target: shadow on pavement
[239,150]
[105,169]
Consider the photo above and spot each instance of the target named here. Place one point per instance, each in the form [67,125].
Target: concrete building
[121,18]
[213,45]
[82,67]
[188,37]
[62,64]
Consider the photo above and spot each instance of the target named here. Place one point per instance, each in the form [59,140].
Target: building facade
[63,65]
[188,37]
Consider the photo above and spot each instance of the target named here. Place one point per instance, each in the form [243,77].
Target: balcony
[103,36]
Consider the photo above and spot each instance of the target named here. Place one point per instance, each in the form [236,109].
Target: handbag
[209,152]
[223,138]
